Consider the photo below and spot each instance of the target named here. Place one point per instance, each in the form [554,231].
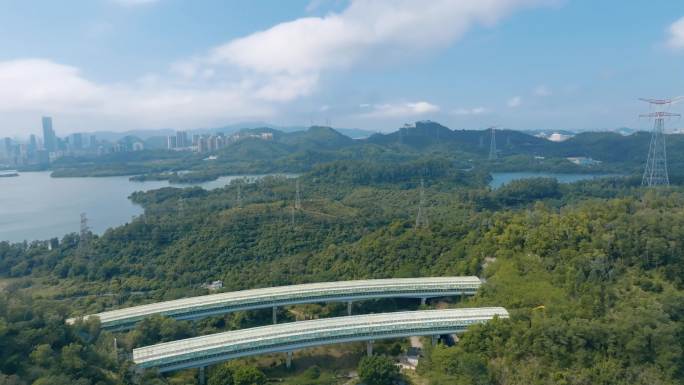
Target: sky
[372,64]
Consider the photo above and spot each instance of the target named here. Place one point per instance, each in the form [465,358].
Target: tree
[71,357]
[248,375]
[378,370]
[236,374]
[222,375]
[43,355]
[10,380]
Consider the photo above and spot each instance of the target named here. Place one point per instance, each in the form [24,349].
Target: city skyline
[524,64]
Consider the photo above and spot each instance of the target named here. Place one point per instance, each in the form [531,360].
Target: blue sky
[374,64]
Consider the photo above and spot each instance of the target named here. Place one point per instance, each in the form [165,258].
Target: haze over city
[149,64]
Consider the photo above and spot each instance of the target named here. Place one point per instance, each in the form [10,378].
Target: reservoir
[34,206]
[501,178]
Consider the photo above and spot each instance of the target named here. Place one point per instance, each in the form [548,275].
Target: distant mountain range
[300,149]
[146,135]
[432,137]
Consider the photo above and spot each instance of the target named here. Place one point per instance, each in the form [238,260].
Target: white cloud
[675,38]
[38,86]
[515,101]
[36,83]
[542,90]
[256,75]
[400,110]
[364,28]
[366,31]
[470,111]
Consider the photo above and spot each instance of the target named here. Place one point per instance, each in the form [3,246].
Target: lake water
[501,178]
[35,206]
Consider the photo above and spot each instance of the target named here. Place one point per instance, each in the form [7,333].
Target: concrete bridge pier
[202,379]
[288,360]
[349,307]
[275,315]
[435,339]
[369,348]
[423,301]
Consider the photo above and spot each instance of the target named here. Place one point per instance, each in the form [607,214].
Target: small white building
[215,285]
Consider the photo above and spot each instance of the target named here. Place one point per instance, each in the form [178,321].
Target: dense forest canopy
[591,272]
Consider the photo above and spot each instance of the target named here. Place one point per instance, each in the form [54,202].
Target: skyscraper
[33,143]
[77,141]
[49,138]
[181,139]
[7,147]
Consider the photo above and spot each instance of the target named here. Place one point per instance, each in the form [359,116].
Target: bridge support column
[201,375]
[423,301]
[275,315]
[369,348]
[435,339]
[349,307]
[288,360]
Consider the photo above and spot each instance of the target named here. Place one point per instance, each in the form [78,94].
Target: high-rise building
[77,141]
[202,145]
[181,139]
[33,143]
[42,157]
[92,143]
[171,142]
[7,148]
[49,137]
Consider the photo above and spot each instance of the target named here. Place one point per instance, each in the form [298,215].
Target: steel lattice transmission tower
[298,197]
[655,172]
[492,144]
[84,234]
[238,199]
[421,217]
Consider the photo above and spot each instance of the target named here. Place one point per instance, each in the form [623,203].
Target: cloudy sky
[373,64]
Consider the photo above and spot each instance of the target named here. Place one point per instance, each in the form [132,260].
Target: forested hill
[607,147]
[299,151]
[592,273]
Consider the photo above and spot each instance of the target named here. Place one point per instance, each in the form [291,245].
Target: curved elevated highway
[341,291]
[202,351]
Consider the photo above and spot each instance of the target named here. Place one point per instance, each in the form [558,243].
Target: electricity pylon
[298,197]
[655,172]
[422,218]
[492,144]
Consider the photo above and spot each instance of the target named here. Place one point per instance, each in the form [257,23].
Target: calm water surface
[501,178]
[36,206]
